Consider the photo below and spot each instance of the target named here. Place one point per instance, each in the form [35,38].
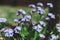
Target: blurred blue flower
[42,23]
[26,18]
[8,32]
[40,4]
[38,28]
[32,6]
[40,10]
[47,18]
[3,20]
[51,15]
[58,27]
[33,23]
[42,35]
[18,20]
[50,5]
[53,37]
[17,29]
[21,11]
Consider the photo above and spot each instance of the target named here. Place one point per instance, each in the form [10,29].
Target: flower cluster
[8,32]
[21,11]
[31,29]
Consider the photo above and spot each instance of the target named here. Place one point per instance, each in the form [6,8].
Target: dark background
[22,2]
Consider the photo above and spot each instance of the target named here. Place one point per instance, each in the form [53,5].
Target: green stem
[22,38]
[35,36]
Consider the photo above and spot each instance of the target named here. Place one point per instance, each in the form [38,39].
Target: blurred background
[12,6]
[21,2]
[25,2]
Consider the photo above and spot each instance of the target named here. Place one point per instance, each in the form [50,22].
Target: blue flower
[50,5]
[51,15]
[3,20]
[8,32]
[32,6]
[53,37]
[58,27]
[42,35]
[47,18]
[40,10]
[33,23]
[38,28]
[21,11]
[42,23]
[17,29]
[18,20]
[40,4]
[26,18]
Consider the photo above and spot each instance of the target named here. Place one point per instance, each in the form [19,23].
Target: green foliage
[9,13]
[24,32]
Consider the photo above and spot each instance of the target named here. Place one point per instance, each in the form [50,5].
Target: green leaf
[35,36]
[24,32]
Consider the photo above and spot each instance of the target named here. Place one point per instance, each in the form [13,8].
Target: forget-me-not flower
[38,28]
[51,15]
[8,32]
[53,37]
[3,20]
[50,5]
[17,29]
[32,6]
[26,18]
[33,23]
[58,27]
[21,11]
[39,4]
[42,35]
[42,23]
[47,18]
[40,10]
